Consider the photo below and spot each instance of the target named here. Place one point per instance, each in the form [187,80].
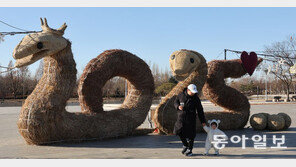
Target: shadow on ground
[162,141]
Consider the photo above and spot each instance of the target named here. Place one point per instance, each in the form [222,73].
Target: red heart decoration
[249,62]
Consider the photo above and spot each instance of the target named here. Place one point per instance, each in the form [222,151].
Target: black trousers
[186,143]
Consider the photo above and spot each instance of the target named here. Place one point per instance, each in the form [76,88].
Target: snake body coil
[236,105]
[44,119]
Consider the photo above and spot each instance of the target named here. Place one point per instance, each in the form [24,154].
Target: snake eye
[191,60]
[173,57]
[39,45]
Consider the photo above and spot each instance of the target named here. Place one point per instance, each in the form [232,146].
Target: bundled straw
[262,121]
[211,79]
[165,114]
[44,119]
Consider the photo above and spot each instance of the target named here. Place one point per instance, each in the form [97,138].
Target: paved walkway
[12,144]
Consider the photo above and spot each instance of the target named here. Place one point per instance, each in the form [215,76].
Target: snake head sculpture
[190,67]
[183,63]
[34,47]
[44,119]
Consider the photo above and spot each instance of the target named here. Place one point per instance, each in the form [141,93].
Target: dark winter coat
[185,125]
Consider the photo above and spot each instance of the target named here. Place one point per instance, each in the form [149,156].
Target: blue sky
[154,33]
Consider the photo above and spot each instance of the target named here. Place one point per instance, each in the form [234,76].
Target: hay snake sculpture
[190,67]
[44,119]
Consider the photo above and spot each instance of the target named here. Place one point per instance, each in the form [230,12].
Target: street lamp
[266,71]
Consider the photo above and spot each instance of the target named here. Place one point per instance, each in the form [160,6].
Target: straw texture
[258,121]
[210,78]
[275,122]
[287,119]
[44,119]
[165,114]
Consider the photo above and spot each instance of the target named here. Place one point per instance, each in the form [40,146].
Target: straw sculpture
[44,119]
[287,119]
[265,114]
[188,67]
[261,121]
[210,78]
[258,121]
[275,122]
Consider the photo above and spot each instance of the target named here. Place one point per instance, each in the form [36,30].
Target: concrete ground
[12,144]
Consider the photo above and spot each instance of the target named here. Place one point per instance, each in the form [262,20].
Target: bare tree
[23,75]
[3,87]
[156,74]
[17,82]
[282,56]
[12,82]
[1,37]
[39,71]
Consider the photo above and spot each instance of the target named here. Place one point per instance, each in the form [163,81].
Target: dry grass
[287,119]
[258,121]
[236,105]
[275,122]
[165,114]
[44,120]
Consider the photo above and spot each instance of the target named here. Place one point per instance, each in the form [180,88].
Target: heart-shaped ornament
[249,61]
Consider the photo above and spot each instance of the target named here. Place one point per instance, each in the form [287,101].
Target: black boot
[184,149]
[188,153]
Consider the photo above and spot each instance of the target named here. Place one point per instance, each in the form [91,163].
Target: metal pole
[277,86]
[266,98]
[225,50]
[125,88]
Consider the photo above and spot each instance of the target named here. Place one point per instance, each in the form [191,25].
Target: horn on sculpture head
[62,28]
[46,28]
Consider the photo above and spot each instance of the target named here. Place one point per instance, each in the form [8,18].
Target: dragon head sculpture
[35,46]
